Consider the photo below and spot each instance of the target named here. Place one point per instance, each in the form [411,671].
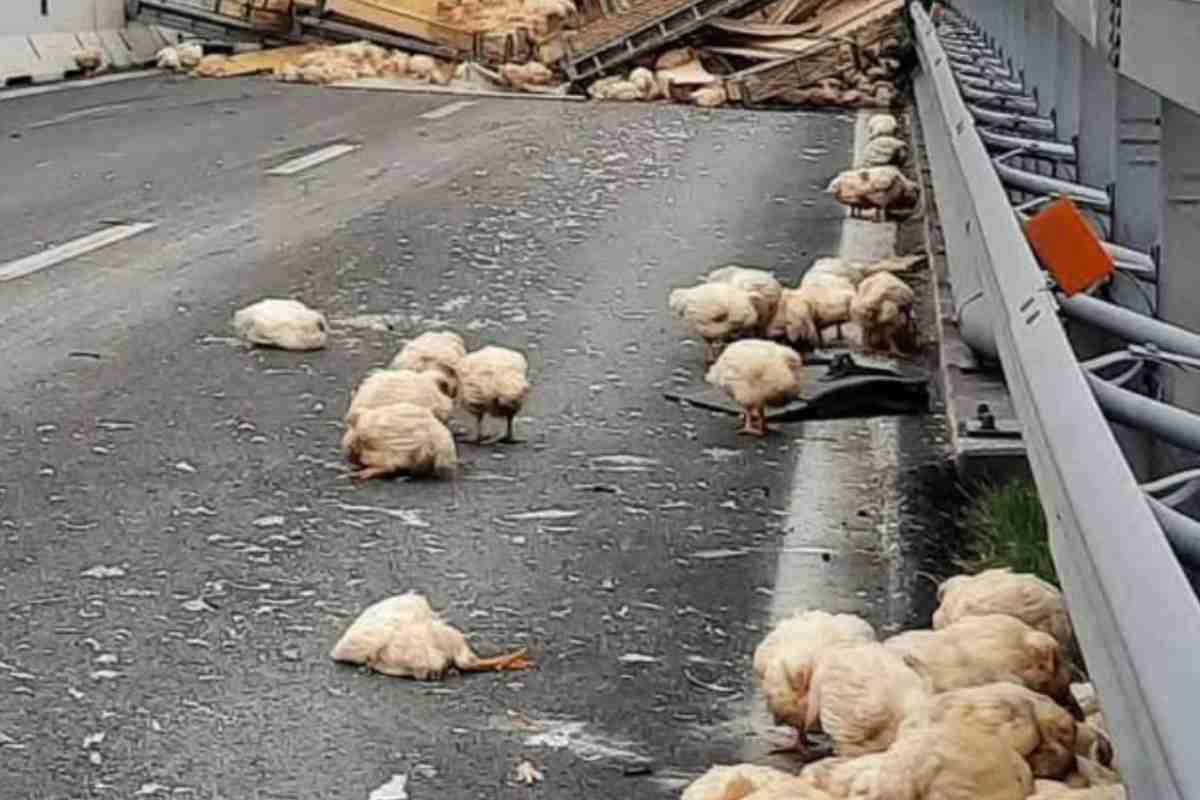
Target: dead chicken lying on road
[786,658]
[758,373]
[181,57]
[402,636]
[284,324]
[949,762]
[400,438]
[494,381]
[1035,726]
[1001,591]
[979,650]
[844,777]
[861,695]
[733,782]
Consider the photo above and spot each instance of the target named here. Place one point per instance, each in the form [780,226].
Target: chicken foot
[755,421]
[506,663]
[367,473]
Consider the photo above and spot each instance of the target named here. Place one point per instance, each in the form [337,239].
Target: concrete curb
[48,57]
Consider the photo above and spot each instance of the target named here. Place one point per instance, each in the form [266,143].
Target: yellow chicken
[757,373]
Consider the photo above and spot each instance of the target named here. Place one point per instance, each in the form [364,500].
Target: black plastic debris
[844,389]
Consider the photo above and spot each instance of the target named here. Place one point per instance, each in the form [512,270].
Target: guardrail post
[1178,276]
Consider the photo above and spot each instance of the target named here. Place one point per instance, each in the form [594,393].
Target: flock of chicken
[743,314]
[970,710]
[398,415]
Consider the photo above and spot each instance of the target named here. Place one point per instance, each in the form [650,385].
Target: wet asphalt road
[178,553]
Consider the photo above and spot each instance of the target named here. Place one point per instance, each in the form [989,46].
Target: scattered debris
[395,789]
[638,658]
[528,774]
[101,572]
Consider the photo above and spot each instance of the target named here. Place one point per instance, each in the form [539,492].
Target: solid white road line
[120,77]
[72,249]
[448,109]
[313,159]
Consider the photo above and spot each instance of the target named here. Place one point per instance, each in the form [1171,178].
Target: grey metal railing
[1134,611]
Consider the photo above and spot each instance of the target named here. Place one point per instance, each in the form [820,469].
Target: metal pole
[1130,325]
[1182,531]
[1175,425]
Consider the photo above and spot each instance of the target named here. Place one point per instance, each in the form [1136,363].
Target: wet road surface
[179,554]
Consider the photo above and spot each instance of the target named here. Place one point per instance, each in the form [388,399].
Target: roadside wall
[60,16]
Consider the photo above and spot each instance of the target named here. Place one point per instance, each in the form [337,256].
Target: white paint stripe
[82,114]
[448,109]
[72,249]
[313,159]
[32,91]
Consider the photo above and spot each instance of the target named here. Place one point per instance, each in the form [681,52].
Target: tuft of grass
[1004,526]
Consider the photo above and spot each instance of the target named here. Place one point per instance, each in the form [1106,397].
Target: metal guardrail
[1134,611]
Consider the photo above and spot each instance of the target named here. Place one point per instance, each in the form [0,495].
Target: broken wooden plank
[751,53]
[760,29]
[794,9]
[260,61]
[416,18]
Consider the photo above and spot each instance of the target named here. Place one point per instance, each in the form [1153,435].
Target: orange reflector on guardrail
[1068,247]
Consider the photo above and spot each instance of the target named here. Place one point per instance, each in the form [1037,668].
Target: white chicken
[647,82]
[1001,591]
[493,381]
[792,789]
[622,90]
[805,313]
[846,268]
[421,66]
[882,307]
[985,649]
[732,782]
[89,59]
[434,351]
[709,96]
[884,150]
[757,373]
[520,76]
[946,762]
[180,57]
[1031,723]
[284,324]
[843,777]
[718,312]
[861,695]
[402,636]
[386,386]
[763,287]
[882,188]
[399,437]
[785,660]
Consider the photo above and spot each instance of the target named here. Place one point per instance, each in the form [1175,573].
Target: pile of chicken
[745,316]
[676,75]
[872,86]
[974,709]
[679,76]
[398,415]
[397,418]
